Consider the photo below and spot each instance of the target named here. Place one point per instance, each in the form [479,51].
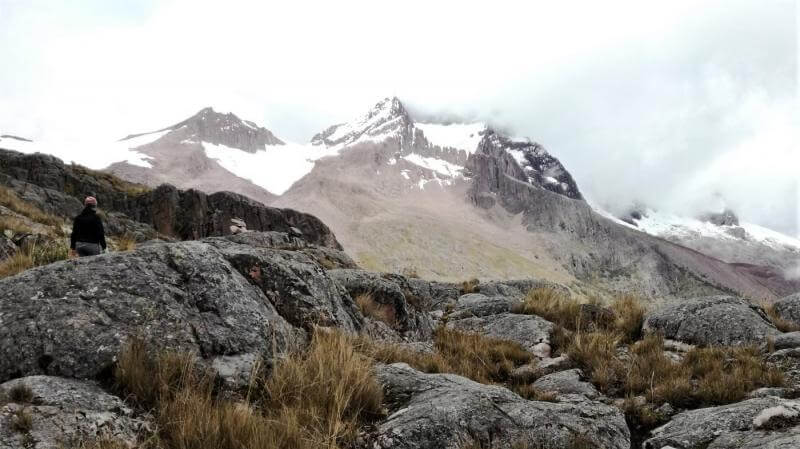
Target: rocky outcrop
[448,411]
[185,214]
[788,308]
[221,129]
[530,331]
[65,411]
[765,420]
[216,298]
[567,382]
[712,320]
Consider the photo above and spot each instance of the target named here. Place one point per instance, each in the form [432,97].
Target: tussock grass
[11,200]
[14,224]
[783,325]
[21,394]
[552,305]
[470,286]
[125,242]
[475,356]
[314,399]
[22,420]
[373,309]
[34,255]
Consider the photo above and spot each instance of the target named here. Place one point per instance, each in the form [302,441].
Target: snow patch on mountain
[93,154]
[275,168]
[437,165]
[666,225]
[463,136]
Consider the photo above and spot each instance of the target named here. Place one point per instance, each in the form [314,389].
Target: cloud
[668,103]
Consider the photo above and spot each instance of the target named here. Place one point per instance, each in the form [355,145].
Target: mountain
[449,201]
[721,235]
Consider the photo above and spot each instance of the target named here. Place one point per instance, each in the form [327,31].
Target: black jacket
[88,228]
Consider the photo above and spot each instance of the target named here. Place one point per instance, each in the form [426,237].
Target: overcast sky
[676,104]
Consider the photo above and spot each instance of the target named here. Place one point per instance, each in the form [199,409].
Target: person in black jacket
[88,236]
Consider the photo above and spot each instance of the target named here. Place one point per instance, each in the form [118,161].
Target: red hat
[90,201]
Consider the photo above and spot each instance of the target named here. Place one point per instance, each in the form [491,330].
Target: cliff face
[185,214]
[596,246]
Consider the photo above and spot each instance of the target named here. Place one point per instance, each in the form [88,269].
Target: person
[88,236]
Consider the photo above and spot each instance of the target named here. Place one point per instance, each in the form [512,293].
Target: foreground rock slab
[452,412]
[213,297]
[712,320]
[66,411]
[765,419]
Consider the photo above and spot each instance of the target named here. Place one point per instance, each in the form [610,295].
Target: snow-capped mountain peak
[388,118]
[217,128]
[535,165]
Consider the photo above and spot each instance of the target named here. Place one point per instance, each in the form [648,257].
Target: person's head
[91,202]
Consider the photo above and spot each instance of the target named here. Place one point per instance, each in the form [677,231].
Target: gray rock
[770,391]
[788,308]
[712,320]
[392,290]
[789,439]
[64,410]
[527,330]
[213,297]
[701,428]
[518,289]
[567,382]
[448,411]
[787,340]
[534,370]
[7,248]
[478,305]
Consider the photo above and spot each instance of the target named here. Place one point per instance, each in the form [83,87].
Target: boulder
[788,308]
[534,370]
[567,382]
[786,341]
[789,439]
[63,411]
[478,305]
[702,428]
[527,330]
[712,320]
[393,291]
[213,297]
[7,248]
[452,412]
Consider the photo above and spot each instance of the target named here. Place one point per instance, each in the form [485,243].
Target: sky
[680,105]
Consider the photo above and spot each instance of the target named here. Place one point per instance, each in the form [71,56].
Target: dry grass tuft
[552,305]
[475,356]
[14,224]
[315,399]
[21,394]
[125,242]
[34,255]
[629,313]
[373,309]
[470,286]
[21,420]
[783,325]
[9,199]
